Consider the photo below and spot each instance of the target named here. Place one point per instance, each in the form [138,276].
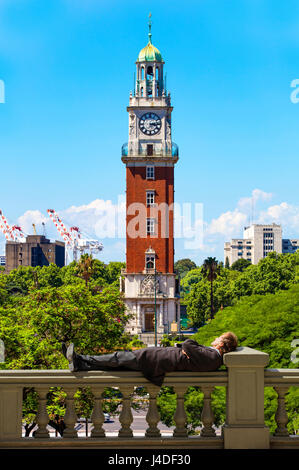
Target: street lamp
[155,307]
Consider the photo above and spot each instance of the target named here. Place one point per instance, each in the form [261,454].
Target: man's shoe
[71,357]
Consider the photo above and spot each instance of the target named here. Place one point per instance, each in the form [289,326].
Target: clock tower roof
[149,53]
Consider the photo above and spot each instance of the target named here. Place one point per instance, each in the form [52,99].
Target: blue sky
[68,68]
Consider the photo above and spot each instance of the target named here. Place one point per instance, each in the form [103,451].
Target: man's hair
[230,341]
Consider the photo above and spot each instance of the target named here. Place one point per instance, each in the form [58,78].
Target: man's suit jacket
[155,362]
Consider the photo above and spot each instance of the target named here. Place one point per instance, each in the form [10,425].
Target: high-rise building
[257,242]
[2,260]
[150,283]
[36,251]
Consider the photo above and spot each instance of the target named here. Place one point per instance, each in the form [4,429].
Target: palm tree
[210,271]
[85,267]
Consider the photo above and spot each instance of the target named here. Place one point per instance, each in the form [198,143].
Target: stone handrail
[244,379]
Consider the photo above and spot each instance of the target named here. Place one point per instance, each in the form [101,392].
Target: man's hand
[184,352]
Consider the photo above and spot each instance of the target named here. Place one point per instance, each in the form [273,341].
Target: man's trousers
[117,360]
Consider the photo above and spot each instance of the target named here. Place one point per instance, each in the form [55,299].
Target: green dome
[149,54]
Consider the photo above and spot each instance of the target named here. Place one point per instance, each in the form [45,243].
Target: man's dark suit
[154,362]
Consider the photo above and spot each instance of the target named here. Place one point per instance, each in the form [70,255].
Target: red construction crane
[12,233]
[72,237]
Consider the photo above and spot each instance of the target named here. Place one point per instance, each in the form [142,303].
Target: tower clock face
[150,124]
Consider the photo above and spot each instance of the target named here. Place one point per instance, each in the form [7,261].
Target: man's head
[227,342]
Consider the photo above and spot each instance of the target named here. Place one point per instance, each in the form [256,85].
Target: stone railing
[244,380]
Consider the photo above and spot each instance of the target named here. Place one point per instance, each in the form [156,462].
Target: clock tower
[150,285]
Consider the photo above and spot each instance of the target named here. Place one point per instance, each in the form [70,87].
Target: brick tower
[150,283]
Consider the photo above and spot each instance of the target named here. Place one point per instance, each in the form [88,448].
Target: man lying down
[154,362]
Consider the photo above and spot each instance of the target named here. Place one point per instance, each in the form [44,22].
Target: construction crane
[12,233]
[44,229]
[73,239]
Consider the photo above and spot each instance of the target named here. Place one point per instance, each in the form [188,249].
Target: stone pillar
[245,426]
[160,318]
[11,401]
[139,319]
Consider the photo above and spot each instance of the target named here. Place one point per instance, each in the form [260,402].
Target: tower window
[150,149]
[150,72]
[150,261]
[150,226]
[142,91]
[150,172]
[142,73]
[150,198]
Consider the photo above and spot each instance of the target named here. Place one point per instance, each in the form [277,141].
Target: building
[257,242]
[36,251]
[150,284]
[290,245]
[2,260]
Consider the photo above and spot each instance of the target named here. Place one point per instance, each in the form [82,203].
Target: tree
[273,273]
[198,300]
[267,323]
[183,266]
[226,262]
[34,325]
[210,270]
[192,277]
[241,264]
[85,267]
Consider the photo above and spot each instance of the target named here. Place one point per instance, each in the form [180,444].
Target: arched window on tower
[141,91]
[142,73]
[157,73]
[150,261]
[149,72]
[149,79]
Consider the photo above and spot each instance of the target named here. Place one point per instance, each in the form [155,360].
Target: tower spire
[150,28]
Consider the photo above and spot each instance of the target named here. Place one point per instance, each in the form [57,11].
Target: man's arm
[190,347]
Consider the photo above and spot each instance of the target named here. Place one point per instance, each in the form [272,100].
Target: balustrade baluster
[97,416]
[152,416]
[70,417]
[42,417]
[281,416]
[180,414]
[126,416]
[207,416]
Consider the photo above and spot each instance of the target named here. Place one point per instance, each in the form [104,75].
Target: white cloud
[99,218]
[231,223]
[31,217]
[256,195]
[285,214]
[227,223]
[105,221]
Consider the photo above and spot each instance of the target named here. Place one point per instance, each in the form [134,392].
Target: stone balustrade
[244,379]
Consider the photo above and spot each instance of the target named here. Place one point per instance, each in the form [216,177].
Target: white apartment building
[257,242]
[2,260]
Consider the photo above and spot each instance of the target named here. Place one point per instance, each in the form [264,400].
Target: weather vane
[150,28]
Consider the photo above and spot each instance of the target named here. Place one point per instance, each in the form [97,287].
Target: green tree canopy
[183,266]
[267,323]
[33,328]
[273,273]
[240,264]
